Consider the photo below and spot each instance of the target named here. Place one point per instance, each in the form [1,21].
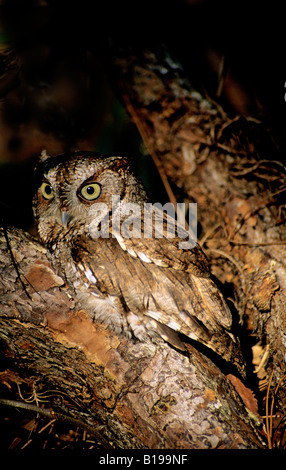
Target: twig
[263,360]
[212,230]
[47,425]
[256,165]
[97,433]
[258,243]
[268,425]
[273,400]
[14,262]
[233,261]
[251,212]
[145,136]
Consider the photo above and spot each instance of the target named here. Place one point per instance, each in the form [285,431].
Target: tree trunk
[132,395]
[233,169]
[126,394]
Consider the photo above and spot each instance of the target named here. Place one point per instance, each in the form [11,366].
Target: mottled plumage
[143,287]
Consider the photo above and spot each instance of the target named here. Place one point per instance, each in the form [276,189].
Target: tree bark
[233,169]
[126,394]
[133,395]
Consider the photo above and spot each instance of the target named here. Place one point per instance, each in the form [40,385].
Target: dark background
[63,96]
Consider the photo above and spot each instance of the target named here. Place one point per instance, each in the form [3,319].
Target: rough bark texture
[233,170]
[137,395]
[132,395]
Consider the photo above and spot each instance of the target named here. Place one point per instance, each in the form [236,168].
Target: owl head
[69,187]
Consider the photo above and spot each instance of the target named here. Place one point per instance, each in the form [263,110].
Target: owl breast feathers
[127,276]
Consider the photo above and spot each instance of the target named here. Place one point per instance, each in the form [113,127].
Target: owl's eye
[47,190]
[90,191]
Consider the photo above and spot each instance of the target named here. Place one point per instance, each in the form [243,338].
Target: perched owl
[131,279]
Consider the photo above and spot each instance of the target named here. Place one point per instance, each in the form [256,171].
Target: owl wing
[167,287]
[180,256]
[163,242]
[186,274]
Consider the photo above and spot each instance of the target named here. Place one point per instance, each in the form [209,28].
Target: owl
[128,277]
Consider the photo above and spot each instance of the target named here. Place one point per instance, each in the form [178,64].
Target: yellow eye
[47,190]
[90,191]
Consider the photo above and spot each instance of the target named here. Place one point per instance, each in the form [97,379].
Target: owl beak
[66,218]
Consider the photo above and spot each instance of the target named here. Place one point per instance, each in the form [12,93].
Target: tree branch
[143,395]
[231,168]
